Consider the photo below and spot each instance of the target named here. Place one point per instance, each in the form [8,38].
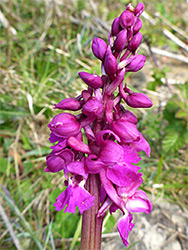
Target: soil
[164,229]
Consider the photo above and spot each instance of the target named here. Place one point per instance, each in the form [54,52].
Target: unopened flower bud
[92,80]
[99,48]
[139,9]
[136,64]
[138,100]
[121,40]
[137,26]
[68,104]
[64,125]
[116,28]
[110,63]
[126,19]
[135,42]
[92,107]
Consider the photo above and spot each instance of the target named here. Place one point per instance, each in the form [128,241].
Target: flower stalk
[91,224]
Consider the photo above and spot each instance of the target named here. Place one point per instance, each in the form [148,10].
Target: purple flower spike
[121,40]
[116,28]
[99,48]
[135,42]
[139,9]
[137,26]
[98,148]
[126,19]
[110,63]
[64,125]
[136,64]
[138,100]
[93,81]
[68,104]
[124,226]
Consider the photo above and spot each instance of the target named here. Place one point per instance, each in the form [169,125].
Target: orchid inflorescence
[113,141]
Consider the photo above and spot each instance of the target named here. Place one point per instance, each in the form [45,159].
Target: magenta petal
[142,145]
[136,64]
[139,203]
[124,226]
[111,191]
[130,154]
[78,145]
[109,111]
[53,138]
[92,108]
[59,146]
[68,104]
[130,190]
[127,131]
[126,19]
[110,63]
[139,9]
[128,117]
[116,28]
[77,168]
[99,48]
[138,100]
[92,80]
[111,153]
[122,176]
[64,124]
[121,40]
[54,163]
[137,26]
[94,165]
[116,82]
[100,136]
[135,42]
[72,197]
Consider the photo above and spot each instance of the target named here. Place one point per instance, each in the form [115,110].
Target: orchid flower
[100,167]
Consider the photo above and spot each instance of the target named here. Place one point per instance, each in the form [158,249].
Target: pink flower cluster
[113,141]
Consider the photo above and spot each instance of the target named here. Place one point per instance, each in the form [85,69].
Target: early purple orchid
[101,174]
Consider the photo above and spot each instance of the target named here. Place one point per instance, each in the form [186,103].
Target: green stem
[91,224]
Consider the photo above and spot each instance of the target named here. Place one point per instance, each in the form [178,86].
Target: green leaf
[152,86]
[3,165]
[181,114]
[159,169]
[172,142]
[185,136]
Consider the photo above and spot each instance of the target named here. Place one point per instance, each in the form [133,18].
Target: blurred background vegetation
[44,44]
